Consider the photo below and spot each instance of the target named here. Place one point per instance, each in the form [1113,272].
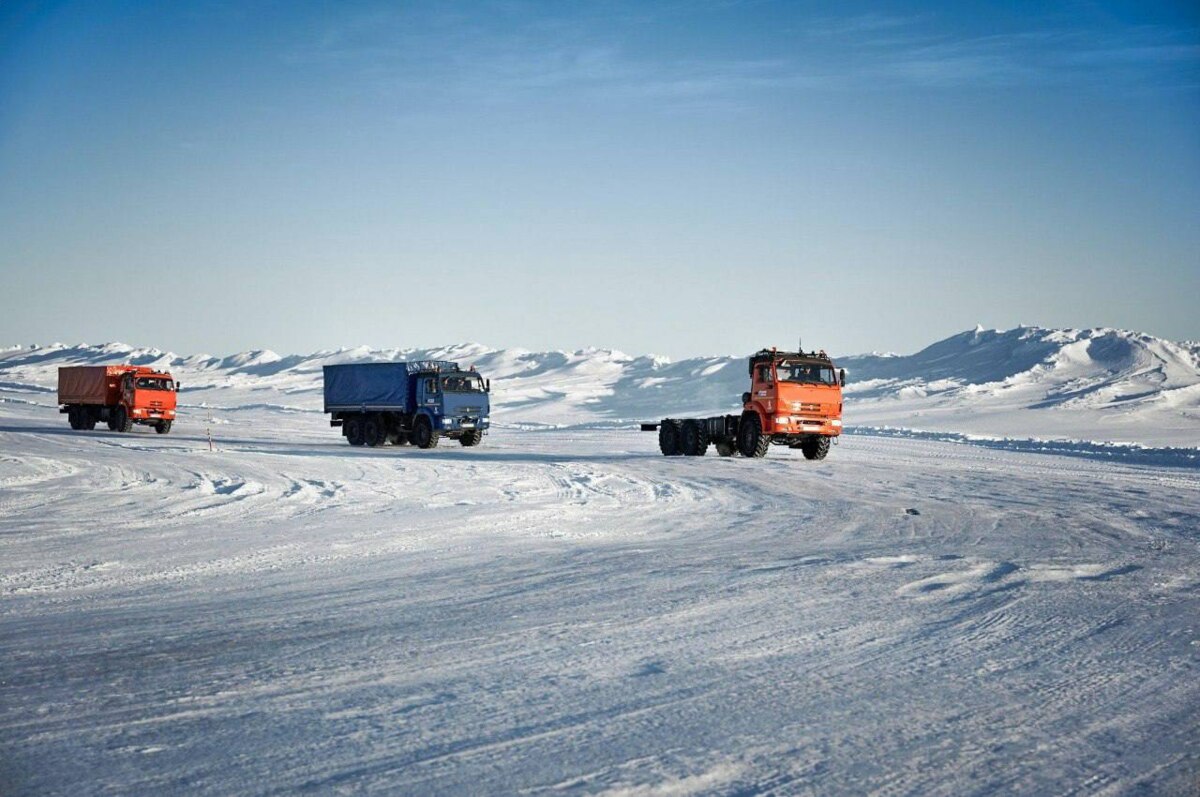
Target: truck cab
[455,402]
[149,397]
[795,399]
[795,394]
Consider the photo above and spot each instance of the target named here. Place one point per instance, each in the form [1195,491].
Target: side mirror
[746,397]
[177,386]
[487,386]
[842,377]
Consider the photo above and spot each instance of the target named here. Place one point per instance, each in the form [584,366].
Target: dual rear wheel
[688,438]
[669,433]
[352,427]
[81,418]
[370,430]
[374,434]
[694,438]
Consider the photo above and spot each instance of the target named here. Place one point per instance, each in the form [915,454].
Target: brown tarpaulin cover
[90,384]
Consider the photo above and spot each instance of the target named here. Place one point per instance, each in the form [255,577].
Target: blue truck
[407,402]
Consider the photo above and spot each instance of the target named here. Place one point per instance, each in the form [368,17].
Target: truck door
[127,390]
[764,387]
[429,395]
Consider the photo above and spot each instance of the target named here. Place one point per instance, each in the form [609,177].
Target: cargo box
[366,385]
[90,384]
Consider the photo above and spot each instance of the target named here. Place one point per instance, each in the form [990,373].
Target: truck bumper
[799,426]
[144,415]
[464,425]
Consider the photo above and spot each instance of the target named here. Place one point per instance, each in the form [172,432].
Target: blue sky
[676,177]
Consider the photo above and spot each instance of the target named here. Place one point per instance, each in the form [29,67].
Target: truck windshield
[462,383]
[146,383]
[808,373]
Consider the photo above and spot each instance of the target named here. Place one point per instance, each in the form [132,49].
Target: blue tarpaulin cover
[374,384]
[370,384]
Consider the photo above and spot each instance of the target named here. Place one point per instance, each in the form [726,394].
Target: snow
[566,611]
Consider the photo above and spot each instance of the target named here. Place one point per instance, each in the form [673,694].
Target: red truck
[795,399]
[120,395]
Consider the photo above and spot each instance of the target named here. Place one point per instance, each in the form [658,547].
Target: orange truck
[795,399]
[120,395]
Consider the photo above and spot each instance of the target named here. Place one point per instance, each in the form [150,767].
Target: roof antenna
[799,344]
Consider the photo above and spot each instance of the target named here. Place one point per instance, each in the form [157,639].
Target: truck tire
[373,432]
[668,438]
[751,441]
[73,418]
[694,438]
[353,429]
[471,438]
[423,435]
[726,448]
[815,447]
[162,427]
[121,420]
[87,418]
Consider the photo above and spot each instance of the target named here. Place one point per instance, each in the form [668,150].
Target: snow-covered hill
[1093,384]
[1090,384]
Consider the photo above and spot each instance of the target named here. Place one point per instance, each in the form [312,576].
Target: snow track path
[569,612]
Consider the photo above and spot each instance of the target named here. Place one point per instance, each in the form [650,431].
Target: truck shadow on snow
[449,451]
[1187,458]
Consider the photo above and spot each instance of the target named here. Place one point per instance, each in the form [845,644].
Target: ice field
[562,612]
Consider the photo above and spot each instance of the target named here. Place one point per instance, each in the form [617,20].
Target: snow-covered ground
[566,612]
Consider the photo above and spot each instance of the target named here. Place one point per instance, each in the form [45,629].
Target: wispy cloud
[510,56]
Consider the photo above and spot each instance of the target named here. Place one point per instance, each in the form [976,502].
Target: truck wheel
[373,431]
[353,429]
[694,439]
[73,418]
[87,419]
[472,438]
[668,438]
[751,441]
[726,448]
[423,434]
[815,447]
[122,420]
[162,427]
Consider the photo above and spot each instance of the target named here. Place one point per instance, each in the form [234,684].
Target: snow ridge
[1087,384]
